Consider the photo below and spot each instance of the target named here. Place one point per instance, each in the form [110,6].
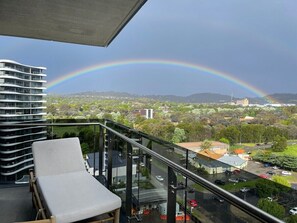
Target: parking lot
[258,168]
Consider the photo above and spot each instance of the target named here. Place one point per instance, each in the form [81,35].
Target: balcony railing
[155,179]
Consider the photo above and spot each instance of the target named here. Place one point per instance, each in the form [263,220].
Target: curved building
[21,101]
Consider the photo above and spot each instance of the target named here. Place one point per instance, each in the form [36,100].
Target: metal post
[101,150]
[94,150]
[111,139]
[171,203]
[186,186]
[129,182]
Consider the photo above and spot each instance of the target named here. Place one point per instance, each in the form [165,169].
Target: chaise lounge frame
[43,215]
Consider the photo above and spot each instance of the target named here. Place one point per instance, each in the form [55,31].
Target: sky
[249,45]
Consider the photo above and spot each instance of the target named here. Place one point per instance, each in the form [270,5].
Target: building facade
[21,101]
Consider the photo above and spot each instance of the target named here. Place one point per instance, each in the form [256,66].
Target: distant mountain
[285,98]
[107,94]
[282,98]
[194,98]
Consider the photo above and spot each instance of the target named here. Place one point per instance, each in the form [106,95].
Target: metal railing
[109,140]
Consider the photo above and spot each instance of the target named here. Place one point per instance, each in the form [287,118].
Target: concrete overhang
[89,22]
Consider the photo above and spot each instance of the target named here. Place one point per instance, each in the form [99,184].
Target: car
[270,172]
[191,190]
[228,172]
[242,179]
[275,167]
[160,178]
[193,203]
[233,180]
[245,189]
[293,211]
[271,199]
[286,173]
[264,176]
[267,165]
[219,182]
[219,199]
[236,171]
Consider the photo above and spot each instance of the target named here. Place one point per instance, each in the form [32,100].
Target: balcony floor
[15,204]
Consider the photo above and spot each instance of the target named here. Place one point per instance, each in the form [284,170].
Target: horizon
[145,95]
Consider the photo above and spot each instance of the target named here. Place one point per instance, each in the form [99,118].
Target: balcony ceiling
[89,22]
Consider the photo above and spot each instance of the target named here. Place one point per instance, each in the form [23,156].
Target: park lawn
[290,179]
[289,151]
[249,144]
[237,186]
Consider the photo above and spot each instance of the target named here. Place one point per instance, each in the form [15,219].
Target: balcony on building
[146,172]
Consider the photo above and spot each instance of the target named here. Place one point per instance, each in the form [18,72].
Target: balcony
[154,178]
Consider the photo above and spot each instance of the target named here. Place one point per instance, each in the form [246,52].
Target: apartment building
[21,101]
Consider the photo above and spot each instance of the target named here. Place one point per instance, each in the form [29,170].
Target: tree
[282,183]
[179,135]
[272,208]
[206,145]
[266,188]
[224,140]
[279,143]
[231,133]
[292,219]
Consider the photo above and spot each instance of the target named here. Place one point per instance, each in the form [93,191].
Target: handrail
[232,199]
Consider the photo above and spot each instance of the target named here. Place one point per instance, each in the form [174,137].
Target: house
[234,161]
[213,160]
[214,163]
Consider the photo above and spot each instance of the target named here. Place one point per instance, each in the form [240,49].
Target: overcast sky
[253,40]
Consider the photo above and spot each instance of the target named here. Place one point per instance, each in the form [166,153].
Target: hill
[283,98]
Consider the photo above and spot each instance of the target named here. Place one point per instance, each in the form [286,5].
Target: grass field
[290,151]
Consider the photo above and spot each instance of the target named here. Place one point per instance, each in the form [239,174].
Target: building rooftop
[232,160]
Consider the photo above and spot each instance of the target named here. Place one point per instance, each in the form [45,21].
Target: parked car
[267,165]
[264,176]
[275,168]
[219,199]
[244,189]
[193,203]
[293,211]
[236,171]
[233,180]
[271,199]
[191,190]
[228,172]
[242,179]
[159,178]
[270,172]
[286,173]
[219,182]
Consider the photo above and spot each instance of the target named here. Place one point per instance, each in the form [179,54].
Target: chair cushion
[76,196]
[57,156]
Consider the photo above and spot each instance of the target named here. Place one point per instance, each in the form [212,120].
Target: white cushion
[57,156]
[75,196]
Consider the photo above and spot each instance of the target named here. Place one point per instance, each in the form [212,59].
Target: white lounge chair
[63,191]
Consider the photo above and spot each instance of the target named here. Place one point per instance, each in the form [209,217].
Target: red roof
[239,151]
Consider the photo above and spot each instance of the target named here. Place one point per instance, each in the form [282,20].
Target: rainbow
[195,67]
